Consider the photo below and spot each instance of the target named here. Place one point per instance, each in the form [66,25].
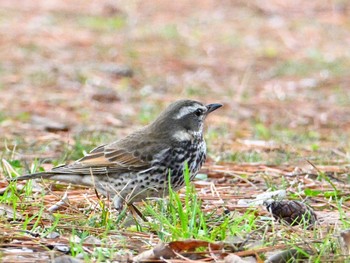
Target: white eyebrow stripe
[186,110]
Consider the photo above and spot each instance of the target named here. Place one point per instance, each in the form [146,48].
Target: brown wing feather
[130,154]
[98,149]
[104,160]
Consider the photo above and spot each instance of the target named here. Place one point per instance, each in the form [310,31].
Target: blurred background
[74,74]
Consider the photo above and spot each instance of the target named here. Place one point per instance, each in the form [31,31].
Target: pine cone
[291,212]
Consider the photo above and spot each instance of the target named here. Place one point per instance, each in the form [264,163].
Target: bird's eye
[198,112]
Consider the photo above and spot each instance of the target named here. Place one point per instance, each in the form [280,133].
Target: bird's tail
[43,175]
[58,176]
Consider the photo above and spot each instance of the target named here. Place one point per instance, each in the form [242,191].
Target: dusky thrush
[140,165]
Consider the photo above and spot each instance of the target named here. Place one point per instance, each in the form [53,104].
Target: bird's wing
[101,161]
[116,158]
[105,160]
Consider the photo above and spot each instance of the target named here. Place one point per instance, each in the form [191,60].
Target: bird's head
[184,119]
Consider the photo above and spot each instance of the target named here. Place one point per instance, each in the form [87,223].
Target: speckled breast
[193,154]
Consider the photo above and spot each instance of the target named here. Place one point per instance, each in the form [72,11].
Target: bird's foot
[118,203]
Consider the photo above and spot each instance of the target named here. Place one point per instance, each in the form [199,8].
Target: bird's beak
[212,107]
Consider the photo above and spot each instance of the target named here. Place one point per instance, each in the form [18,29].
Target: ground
[75,74]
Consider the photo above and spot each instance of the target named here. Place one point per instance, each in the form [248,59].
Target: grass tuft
[183,217]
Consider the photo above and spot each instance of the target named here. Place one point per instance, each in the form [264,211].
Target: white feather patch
[182,136]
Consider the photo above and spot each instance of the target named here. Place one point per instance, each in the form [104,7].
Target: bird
[140,165]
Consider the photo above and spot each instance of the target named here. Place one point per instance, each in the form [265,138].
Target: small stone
[92,240]
[53,235]
[62,248]
[118,71]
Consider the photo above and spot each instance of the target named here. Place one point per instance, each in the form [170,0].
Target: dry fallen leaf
[8,211]
[160,251]
[191,245]
[48,124]
[291,255]
[232,258]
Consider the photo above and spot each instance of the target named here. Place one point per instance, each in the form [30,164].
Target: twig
[60,203]
[236,176]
